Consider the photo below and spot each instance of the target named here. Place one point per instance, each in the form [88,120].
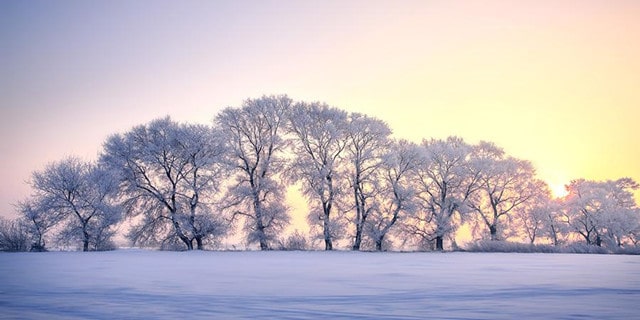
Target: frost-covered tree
[254,137]
[81,193]
[602,212]
[40,218]
[169,174]
[396,189]
[367,140]
[445,183]
[318,141]
[504,184]
[534,219]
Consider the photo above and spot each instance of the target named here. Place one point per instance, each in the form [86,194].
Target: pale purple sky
[552,82]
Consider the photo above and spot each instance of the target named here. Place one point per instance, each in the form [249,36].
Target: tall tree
[166,170]
[396,192]
[318,143]
[367,139]
[505,183]
[445,184]
[82,193]
[254,136]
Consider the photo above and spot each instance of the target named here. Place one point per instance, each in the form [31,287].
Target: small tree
[40,219]
[14,235]
[78,194]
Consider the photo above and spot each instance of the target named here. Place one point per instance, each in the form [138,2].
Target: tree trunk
[328,243]
[494,232]
[199,243]
[439,243]
[379,243]
[85,241]
[358,240]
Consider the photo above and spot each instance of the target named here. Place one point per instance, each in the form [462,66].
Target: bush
[505,246]
[14,236]
[296,241]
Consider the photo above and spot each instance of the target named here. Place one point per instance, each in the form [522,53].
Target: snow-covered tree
[169,174]
[602,211]
[504,184]
[254,137]
[535,218]
[80,193]
[40,218]
[396,189]
[445,184]
[318,141]
[367,140]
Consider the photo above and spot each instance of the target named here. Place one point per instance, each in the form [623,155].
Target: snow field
[139,284]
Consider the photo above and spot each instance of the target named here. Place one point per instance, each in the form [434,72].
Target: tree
[14,235]
[40,218]
[168,172]
[445,184]
[367,139]
[535,217]
[255,142]
[81,193]
[504,184]
[396,190]
[318,142]
[602,211]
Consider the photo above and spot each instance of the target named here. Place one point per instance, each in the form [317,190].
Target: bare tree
[396,190]
[318,142]
[367,140]
[169,173]
[81,193]
[505,183]
[255,141]
[445,184]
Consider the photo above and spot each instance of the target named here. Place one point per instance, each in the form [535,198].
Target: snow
[139,284]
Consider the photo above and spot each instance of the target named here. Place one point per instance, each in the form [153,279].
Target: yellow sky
[554,82]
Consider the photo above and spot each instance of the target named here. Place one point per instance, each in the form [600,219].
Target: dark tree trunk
[379,243]
[439,243]
[328,243]
[494,232]
[358,240]
[199,243]
[85,241]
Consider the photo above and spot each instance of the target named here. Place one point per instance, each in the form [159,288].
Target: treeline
[186,186]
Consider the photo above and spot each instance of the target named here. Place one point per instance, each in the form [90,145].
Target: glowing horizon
[552,83]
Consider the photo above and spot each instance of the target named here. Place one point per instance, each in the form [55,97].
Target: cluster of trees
[186,186]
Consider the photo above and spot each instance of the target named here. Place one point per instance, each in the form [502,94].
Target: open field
[137,284]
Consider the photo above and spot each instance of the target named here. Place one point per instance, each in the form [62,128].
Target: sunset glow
[555,83]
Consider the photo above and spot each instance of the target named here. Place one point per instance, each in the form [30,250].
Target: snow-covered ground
[137,284]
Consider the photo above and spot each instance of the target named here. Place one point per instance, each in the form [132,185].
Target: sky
[553,82]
